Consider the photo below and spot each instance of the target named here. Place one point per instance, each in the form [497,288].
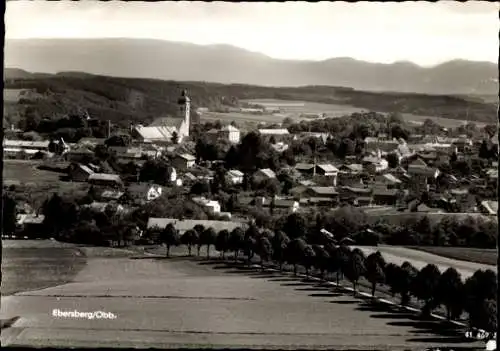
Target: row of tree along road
[430,288]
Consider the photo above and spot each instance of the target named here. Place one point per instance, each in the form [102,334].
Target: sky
[421,32]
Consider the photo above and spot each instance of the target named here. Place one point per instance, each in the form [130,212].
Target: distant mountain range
[145,58]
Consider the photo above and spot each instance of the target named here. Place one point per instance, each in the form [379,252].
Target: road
[184,303]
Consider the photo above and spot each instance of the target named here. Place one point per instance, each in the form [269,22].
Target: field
[293,109]
[484,256]
[27,172]
[183,302]
[420,259]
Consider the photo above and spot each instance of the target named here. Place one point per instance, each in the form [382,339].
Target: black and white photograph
[250,175]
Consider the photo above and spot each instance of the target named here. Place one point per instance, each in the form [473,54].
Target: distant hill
[123,100]
[145,58]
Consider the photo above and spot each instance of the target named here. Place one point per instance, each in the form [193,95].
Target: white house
[235,176]
[212,205]
[230,133]
[263,174]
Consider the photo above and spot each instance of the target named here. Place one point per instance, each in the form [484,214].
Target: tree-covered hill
[125,100]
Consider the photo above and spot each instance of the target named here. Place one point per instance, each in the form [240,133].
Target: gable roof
[268,172]
[167,122]
[304,166]
[186,157]
[104,176]
[418,162]
[328,167]
[389,177]
[490,206]
[282,131]
[324,190]
[235,173]
[354,167]
[229,128]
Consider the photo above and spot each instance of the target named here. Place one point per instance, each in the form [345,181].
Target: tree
[392,160]
[199,229]
[484,150]
[175,138]
[235,242]
[264,250]
[294,253]
[450,292]
[485,316]
[308,258]
[480,287]
[222,242]
[170,237]
[392,274]
[407,274]
[8,214]
[279,243]
[425,287]
[208,237]
[322,259]
[190,238]
[375,265]
[355,268]
[295,226]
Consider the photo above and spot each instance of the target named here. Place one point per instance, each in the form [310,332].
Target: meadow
[484,256]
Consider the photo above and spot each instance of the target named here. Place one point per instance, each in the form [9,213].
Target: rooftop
[104,176]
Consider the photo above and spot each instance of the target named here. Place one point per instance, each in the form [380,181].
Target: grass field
[484,256]
[295,108]
[27,172]
[28,265]
[184,302]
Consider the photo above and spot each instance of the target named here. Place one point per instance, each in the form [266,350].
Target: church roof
[167,121]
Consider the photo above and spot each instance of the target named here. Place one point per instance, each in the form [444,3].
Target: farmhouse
[211,205]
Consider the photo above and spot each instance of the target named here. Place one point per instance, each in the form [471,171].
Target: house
[351,168]
[211,205]
[280,147]
[144,192]
[385,196]
[79,172]
[230,133]
[91,142]
[79,154]
[276,134]
[322,191]
[263,174]
[389,180]
[187,224]
[362,201]
[102,179]
[348,193]
[489,207]
[111,195]
[278,204]
[374,143]
[234,176]
[183,161]
[30,224]
[305,168]
[375,164]
[23,147]
[97,206]
[327,172]
[419,168]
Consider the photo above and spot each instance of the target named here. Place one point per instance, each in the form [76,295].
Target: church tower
[185,107]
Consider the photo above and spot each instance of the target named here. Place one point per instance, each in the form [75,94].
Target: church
[164,129]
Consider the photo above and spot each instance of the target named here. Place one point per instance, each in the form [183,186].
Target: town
[258,176]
